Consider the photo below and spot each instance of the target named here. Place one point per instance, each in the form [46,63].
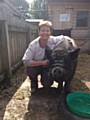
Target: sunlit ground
[87,84]
[17,106]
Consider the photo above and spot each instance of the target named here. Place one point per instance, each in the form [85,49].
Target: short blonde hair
[45,23]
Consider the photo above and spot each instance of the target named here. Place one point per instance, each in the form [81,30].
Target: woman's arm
[34,63]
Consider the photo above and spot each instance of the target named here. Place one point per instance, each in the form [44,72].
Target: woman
[34,57]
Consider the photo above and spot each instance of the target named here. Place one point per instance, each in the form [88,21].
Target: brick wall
[70,8]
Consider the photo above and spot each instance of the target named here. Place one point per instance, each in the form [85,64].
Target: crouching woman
[34,58]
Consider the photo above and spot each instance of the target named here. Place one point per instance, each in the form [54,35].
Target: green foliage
[38,9]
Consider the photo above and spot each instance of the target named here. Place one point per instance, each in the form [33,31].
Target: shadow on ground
[43,105]
[49,104]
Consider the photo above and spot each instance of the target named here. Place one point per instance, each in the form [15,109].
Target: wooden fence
[13,43]
[15,35]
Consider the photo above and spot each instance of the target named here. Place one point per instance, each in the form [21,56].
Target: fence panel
[17,45]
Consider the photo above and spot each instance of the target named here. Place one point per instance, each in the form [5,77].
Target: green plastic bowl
[79,103]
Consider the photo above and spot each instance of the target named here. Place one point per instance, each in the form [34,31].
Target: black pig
[62,64]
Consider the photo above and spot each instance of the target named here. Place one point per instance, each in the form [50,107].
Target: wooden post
[4,49]
[8,47]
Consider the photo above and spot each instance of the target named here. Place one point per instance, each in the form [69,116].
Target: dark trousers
[33,72]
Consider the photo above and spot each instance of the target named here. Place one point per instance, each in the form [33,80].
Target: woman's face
[44,32]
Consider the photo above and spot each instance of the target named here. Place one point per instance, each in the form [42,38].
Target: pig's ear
[74,53]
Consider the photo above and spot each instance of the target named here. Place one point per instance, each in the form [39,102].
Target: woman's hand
[45,63]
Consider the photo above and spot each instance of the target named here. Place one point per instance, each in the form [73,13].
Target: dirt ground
[17,103]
